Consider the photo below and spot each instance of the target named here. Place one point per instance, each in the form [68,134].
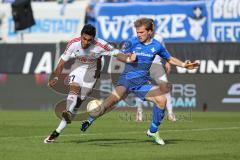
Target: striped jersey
[86,58]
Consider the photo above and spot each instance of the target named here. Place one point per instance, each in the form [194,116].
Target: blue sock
[91,119]
[158,115]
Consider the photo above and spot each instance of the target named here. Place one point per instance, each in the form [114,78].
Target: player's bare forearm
[127,58]
[59,68]
[187,64]
[54,78]
[176,62]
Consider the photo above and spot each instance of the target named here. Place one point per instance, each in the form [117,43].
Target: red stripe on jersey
[106,47]
[73,41]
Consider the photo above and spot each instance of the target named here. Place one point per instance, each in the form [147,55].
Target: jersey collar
[147,43]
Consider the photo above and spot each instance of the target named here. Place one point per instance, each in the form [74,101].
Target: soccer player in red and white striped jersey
[86,51]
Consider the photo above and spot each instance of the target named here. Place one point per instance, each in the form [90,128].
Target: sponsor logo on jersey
[85,59]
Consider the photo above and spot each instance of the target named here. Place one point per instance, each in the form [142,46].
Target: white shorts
[157,73]
[84,77]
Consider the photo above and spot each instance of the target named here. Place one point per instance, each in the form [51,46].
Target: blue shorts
[139,86]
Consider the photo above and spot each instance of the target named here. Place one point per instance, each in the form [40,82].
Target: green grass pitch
[209,136]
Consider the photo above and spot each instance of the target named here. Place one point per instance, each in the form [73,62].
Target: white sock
[61,126]
[169,103]
[71,102]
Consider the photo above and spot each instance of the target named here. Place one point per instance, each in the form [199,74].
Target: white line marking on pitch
[124,133]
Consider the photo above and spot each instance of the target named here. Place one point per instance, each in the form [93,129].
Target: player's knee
[165,87]
[74,88]
[160,100]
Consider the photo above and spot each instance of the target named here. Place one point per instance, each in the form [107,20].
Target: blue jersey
[135,76]
[145,56]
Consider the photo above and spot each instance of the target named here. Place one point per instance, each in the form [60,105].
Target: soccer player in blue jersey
[135,78]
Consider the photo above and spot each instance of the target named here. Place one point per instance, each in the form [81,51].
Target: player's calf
[71,105]
[160,101]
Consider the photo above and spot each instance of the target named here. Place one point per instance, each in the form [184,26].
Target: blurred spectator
[64,4]
[90,15]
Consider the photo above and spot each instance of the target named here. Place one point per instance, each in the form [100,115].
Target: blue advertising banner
[178,21]
[51,26]
[225,20]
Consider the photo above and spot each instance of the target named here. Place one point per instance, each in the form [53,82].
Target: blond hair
[147,22]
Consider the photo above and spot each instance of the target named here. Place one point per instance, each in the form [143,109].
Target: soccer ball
[93,107]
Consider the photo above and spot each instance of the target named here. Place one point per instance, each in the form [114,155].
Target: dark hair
[89,30]
[147,22]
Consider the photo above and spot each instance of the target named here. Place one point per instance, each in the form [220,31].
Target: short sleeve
[128,46]
[163,53]
[104,46]
[68,51]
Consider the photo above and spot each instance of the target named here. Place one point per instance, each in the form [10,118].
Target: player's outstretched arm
[127,58]
[187,64]
[54,78]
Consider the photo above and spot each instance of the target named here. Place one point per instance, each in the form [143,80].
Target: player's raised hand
[191,65]
[53,82]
